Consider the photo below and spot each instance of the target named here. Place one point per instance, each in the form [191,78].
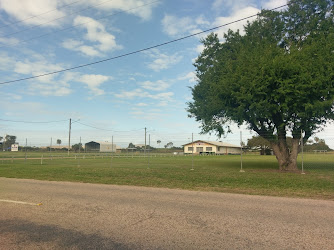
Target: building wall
[228,150]
[108,147]
[205,147]
[200,147]
[92,147]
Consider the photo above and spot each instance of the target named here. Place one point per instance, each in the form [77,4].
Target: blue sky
[149,89]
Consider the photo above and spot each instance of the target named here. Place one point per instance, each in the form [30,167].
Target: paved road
[90,216]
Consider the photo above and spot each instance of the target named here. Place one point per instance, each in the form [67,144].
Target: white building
[211,147]
[95,146]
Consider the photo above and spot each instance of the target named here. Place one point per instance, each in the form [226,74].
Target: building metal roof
[215,143]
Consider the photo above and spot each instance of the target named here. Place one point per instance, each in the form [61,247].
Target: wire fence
[144,147]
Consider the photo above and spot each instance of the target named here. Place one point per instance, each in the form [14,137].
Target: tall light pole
[145,144]
[149,148]
[69,138]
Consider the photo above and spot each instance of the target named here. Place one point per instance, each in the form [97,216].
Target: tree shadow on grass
[27,234]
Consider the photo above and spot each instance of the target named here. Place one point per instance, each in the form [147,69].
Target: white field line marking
[21,202]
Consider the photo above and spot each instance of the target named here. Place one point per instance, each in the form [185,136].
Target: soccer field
[203,173]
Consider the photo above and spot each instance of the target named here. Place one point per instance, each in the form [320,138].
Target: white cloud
[96,33]
[71,44]
[6,62]
[273,3]
[47,13]
[199,49]
[142,8]
[139,93]
[27,9]
[156,86]
[50,85]
[146,115]
[9,41]
[56,88]
[15,108]
[177,26]
[77,46]
[231,5]
[190,77]
[101,40]
[10,96]
[239,14]
[141,104]
[37,68]
[162,61]
[94,82]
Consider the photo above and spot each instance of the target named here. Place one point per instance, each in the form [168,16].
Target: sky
[118,98]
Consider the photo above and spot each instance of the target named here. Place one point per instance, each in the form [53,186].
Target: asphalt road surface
[61,215]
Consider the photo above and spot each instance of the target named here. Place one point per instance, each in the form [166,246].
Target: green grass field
[211,173]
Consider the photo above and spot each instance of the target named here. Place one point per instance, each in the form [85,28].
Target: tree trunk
[287,159]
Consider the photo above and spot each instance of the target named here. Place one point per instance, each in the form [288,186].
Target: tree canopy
[277,77]
[8,141]
[169,145]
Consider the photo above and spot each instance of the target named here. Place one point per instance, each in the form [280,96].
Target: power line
[73,26]
[108,129]
[41,14]
[58,18]
[32,121]
[138,51]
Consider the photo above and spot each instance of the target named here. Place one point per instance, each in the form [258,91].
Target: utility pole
[80,145]
[51,144]
[69,138]
[149,148]
[145,144]
[26,150]
[112,149]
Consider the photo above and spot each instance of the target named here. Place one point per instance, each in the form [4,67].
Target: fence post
[25,158]
[302,148]
[241,170]
[112,150]
[192,151]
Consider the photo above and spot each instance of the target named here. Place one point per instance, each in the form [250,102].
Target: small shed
[95,146]
[211,147]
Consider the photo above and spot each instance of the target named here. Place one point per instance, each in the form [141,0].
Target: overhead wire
[73,26]
[138,51]
[58,18]
[32,121]
[41,14]
[112,130]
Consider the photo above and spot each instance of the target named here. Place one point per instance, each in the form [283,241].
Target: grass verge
[211,173]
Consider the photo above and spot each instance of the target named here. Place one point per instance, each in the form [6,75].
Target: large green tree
[277,77]
[8,141]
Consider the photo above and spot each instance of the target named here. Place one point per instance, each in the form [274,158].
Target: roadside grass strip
[211,173]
